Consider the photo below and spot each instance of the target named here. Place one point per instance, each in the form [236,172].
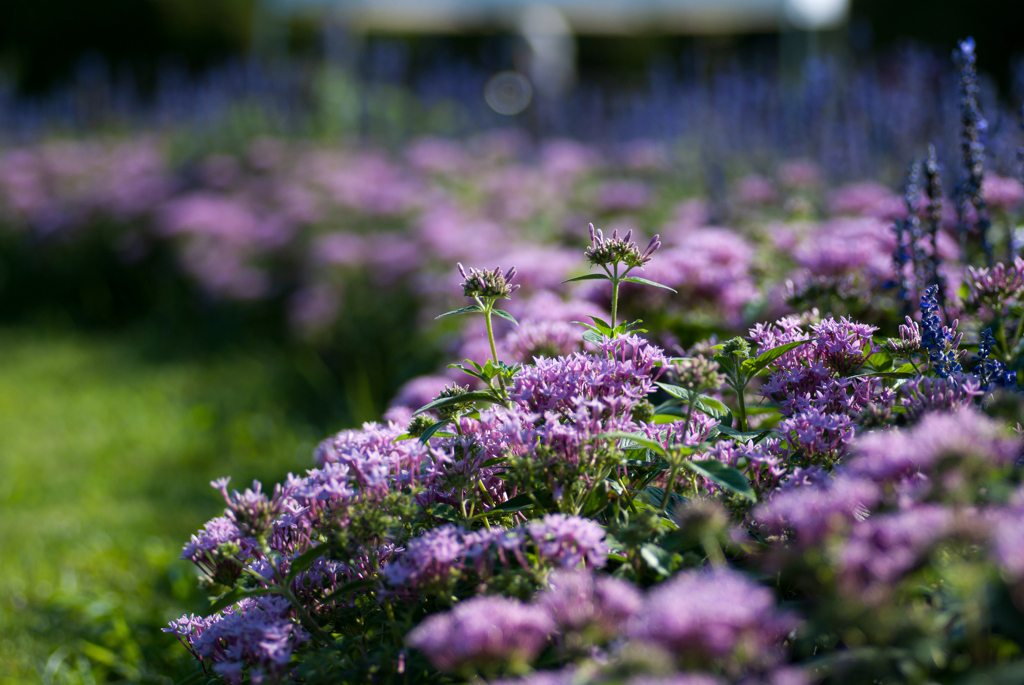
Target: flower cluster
[488,284]
[616,250]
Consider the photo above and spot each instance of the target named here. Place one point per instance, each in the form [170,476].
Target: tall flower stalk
[617,257]
[972,149]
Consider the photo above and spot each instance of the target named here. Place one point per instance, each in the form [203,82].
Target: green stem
[494,349]
[673,472]
[1016,338]
[742,402]
[1002,338]
[615,294]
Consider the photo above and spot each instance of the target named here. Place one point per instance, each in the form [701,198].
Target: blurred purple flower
[482,633]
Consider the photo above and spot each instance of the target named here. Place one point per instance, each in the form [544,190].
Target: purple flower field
[763,433]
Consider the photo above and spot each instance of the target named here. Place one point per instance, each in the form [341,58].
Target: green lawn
[105,460]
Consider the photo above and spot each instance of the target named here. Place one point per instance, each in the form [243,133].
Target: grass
[105,460]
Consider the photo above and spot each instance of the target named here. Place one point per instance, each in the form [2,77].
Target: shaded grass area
[105,460]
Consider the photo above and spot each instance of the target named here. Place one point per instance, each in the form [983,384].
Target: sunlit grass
[105,460]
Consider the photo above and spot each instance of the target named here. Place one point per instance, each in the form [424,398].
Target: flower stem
[494,349]
[615,294]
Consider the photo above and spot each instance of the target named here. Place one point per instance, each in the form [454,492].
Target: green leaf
[464,310]
[593,337]
[708,405]
[881,360]
[741,436]
[443,511]
[724,476]
[653,495]
[348,588]
[638,439]
[305,560]
[497,461]
[644,281]
[588,277]
[601,323]
[505,315]
[475,396]
[907,368]
[237,595]
[761,361]
[657,558]
[433,428]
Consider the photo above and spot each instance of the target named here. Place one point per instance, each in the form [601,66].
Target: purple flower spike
[483,633]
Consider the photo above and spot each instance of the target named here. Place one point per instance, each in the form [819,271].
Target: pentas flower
[965,435]
[819,438]
[488,284]
[252,511]
[842,345]
[995,287]
[483,634]
[925,394]
[627,371]
[580,602]
[220,550]
[705,616]
[763,464]
[616,250]
[786,330]
[430,561]
[568,541]
[254,632]
[909,341]
[533,339]
[672,434]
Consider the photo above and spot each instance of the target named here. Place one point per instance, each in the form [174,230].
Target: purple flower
[431,560]
[616,250]
[813,511]
[821,438]
[881,549]
[542,339]
[257,633]
[578,601]
[926,394]
[704,616]
[488,284]
[568,541]
[842,345]
[1008,539]
[483,633]
[966,435]
[616,196]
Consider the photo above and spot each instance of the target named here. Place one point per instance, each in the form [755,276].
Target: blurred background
[226,226]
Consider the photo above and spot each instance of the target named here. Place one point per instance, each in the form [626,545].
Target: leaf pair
[477,308]
[627,279]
